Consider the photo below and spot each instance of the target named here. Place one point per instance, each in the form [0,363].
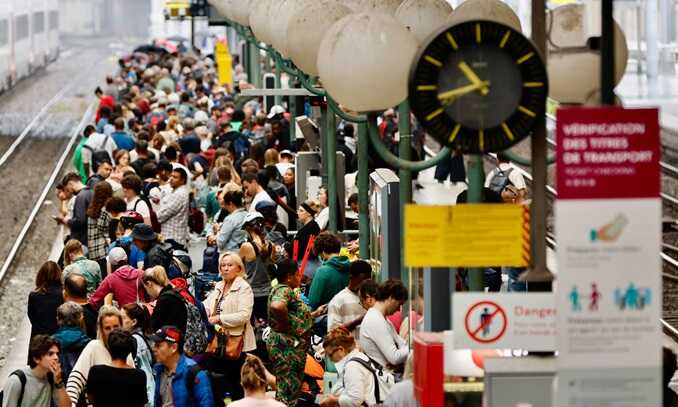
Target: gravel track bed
[24,176]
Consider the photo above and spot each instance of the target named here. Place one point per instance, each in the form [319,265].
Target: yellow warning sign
[473,235]
[224,63]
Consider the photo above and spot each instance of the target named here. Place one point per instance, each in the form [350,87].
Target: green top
[212,204]
[298,313]
[86,268]
[328,280]
[77,160]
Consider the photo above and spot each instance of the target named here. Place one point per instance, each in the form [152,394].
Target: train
[29,38]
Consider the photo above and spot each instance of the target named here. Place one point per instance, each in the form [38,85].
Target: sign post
[608,228]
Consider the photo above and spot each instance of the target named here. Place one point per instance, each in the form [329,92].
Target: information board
[608,229]
[469,235]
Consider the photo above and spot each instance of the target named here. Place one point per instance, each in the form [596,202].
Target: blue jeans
[204,283]
[514,284]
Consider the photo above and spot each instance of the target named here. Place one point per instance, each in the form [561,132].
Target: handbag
[223,344]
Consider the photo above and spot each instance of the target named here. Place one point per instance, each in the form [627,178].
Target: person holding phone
[44,384]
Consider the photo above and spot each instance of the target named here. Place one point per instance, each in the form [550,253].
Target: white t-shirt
[97,141]
[259,197]
[515,176]
[141,207]
[252,402]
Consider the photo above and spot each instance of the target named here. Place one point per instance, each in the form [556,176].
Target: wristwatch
[59,385]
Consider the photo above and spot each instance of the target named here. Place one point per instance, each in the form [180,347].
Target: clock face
[479,85]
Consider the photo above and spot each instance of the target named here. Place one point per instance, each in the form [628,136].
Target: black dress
[42,310]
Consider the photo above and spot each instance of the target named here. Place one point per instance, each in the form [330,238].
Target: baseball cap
[277,109]
[116,256]
[264,205]
[167,333]
[287,153]
[251,216]
[143,231]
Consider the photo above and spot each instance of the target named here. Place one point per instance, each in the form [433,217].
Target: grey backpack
[500,180]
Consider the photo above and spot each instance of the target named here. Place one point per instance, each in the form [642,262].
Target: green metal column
[278,69]
[255,65]
[323,143]
[331,161]
[363,192]
[404,153]
[476,180]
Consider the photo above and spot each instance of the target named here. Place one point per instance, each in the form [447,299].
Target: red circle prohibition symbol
[473,333]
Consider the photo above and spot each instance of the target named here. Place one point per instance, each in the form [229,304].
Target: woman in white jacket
[356,385]
[229,307]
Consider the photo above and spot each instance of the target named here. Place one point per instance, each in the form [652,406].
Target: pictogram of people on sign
[632,298]
[594,298]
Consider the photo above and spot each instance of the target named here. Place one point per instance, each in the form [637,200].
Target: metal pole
[476,180]
[405,153]
[323,143]
[192,33]
[278,68]
[255,62]
[607,53]
[652,46]
[538,276]
[331,161]
[363,192]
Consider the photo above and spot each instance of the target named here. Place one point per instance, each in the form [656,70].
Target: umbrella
[150,49]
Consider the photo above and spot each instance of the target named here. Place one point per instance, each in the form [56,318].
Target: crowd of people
[124,317]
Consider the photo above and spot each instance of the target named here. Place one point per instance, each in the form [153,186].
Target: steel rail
[41,199]
[8,153]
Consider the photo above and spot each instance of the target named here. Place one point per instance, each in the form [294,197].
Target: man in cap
[286,161]
[146,239]
[174,371]
[123,282]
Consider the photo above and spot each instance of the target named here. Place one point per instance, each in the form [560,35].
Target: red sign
[485,322]
[607,153]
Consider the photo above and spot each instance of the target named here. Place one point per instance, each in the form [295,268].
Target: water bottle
[227,398]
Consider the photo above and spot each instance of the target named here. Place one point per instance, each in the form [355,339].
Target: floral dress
[287,351]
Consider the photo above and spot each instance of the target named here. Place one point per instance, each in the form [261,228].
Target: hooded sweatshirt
[124,284]
[329,279]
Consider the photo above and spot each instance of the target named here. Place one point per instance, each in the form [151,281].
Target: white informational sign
[504,321]
[608,229]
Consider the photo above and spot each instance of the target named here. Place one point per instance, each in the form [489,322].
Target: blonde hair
[71,247]
[237,260]
[104,312]
[156,275]
[253,374]
[271,157]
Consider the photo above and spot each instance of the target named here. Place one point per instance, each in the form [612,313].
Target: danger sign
[485,322]
[504,321]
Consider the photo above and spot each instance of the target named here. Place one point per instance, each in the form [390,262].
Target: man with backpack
[178,380]
[504,175]
[41,383]
[98,148]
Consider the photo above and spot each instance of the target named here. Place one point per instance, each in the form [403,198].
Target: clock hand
[451,94]
[468,72]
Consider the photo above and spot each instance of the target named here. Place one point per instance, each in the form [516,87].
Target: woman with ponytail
[253,379]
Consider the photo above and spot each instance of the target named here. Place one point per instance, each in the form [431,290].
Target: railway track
[43,194]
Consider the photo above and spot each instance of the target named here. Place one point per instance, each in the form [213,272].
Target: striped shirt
[344,308]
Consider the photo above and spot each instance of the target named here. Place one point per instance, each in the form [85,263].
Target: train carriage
[5,46]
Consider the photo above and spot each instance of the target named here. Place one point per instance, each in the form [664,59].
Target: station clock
[480,86]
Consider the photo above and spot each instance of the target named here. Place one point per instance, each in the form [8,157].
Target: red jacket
[124,283]
[105,101]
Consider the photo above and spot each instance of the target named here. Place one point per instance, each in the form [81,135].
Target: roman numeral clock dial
[479,85]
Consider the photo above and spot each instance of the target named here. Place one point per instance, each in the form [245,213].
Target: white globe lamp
[364,61]
[492,10]
[423,17]
[306,28]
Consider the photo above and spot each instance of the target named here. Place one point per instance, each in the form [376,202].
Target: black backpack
[210,260]
[99,154]
[22,378]
[217,384]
